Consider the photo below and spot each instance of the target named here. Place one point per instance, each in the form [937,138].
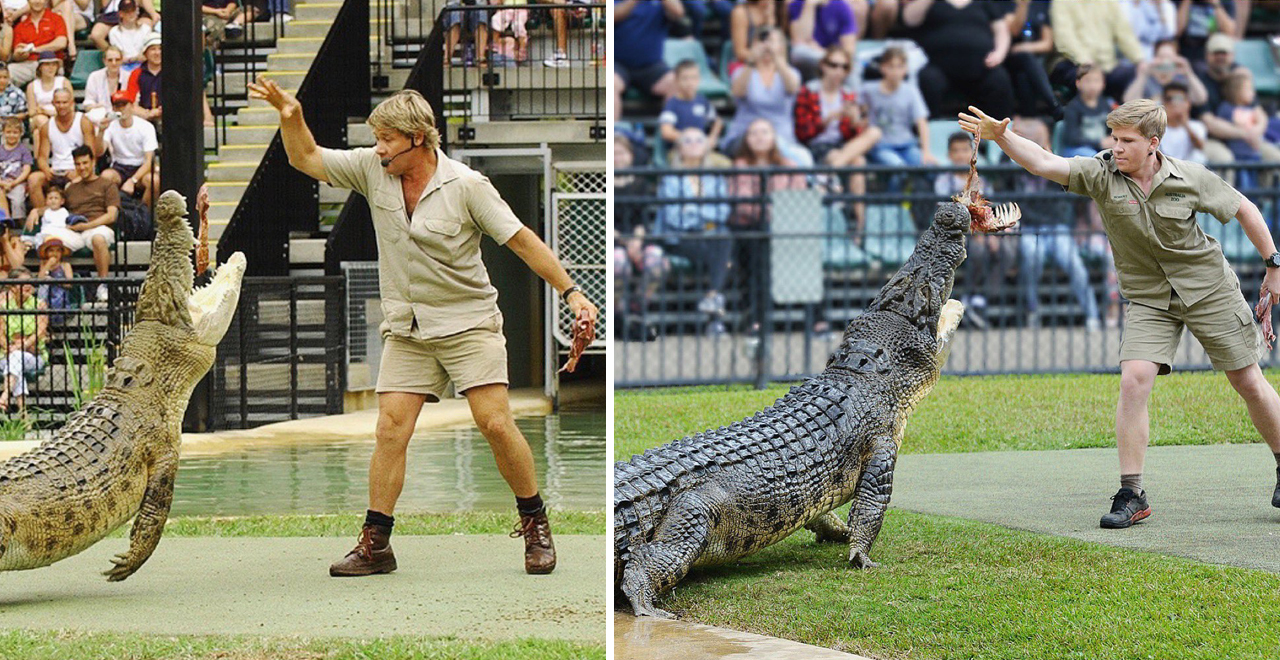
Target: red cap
[122,96]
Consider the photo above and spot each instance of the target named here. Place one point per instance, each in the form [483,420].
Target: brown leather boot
[371,555]
[539,550]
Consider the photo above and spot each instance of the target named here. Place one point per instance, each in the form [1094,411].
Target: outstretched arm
[304,153]
[1255,227]
[1024,152]
[543,261]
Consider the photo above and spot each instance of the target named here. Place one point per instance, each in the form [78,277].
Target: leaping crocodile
[116,458]
[722,494]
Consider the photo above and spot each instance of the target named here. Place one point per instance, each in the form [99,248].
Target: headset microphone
[412,145]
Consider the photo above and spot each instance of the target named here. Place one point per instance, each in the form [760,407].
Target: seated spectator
[697,230]
[1167,66]
[1198,20]
[1214,71]
[109,16]
[53,265]
[639,264]
[26,336]
[560,25]
[104,82]
[1241,110]
[15,167]
[896,107]
[766,89]
[639,31]
[144,82]
[759,149]
[130,35]
[1152,21]
[1184,137]
[476,23]
[13,247]
[990,258]
[817,25]
[966,43]
[38,32]
[1032,41]
[250,11]
[1089,33]
[516,47]
[1084,124]
[699,10]
[686,108]
[131,141]
[49,79]
[13,101]
[1047,231]
[57,140]
[748,22]
[76,15]
[97,200]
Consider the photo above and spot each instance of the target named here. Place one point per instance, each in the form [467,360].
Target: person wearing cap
[40,30]
[130,36]
[53,265]
[132,143]
[49,79]
[144,82]
[1213,71]
[109,16]
[442,322]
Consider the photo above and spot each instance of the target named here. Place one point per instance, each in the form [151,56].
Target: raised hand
[992,128]
[266,89]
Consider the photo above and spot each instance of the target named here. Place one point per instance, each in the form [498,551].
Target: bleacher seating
[1258,56]
[675,50]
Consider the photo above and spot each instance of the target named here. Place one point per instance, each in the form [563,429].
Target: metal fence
[804,256]
[576,234]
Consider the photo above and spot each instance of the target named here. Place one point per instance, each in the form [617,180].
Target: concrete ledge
[643,638]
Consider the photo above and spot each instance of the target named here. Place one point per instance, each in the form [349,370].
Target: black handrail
[279,199]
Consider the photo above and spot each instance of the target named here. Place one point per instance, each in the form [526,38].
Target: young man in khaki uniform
[1170,272]
[441,313]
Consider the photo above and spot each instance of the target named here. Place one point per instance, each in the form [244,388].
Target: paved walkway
[658,639]
[471,587]
[1210,503]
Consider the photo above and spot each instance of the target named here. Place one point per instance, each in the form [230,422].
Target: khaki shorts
[425,366]
[1223,323]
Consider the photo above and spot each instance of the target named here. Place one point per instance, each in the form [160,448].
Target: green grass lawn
[100,646]
[953,589]
[972,414]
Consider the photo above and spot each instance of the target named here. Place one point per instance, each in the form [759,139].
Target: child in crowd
[1183,137]
[129,35]
[514,48]
[54,219]
[53,265]
[15,247]
[13,102]
[687,108]
[1084,122]
[1240,107]
[15,165]
[897,106]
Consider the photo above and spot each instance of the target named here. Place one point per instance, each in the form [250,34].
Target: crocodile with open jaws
[116,458]
[722,494]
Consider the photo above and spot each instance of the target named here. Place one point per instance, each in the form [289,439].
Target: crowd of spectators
[853,82]
[496,32]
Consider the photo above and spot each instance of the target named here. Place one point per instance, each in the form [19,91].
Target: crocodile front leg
[658,565]
[828,528]
[149,523]
[870,500]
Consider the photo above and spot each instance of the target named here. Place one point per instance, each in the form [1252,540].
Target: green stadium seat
[890,235]
[839,250]
[939,131]
[726,57]
[675,50]
[1256,55]
[87,61]
[1235,243]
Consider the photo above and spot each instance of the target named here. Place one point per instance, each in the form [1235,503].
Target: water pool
[448,470]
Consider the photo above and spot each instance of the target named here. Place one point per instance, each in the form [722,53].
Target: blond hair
[1143,114]
[407,112]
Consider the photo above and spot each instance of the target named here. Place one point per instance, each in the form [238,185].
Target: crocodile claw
[860,559]
[123,568]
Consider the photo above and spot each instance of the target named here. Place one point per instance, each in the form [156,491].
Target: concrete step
[311,27]
[296,45]
[313,11]
[239,135]
[226,191]
[252,151]
[307,251]
[234,170]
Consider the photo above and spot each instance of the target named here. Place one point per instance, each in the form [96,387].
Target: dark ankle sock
[1132,481]
[381,520]
[529,505]
[1277,455]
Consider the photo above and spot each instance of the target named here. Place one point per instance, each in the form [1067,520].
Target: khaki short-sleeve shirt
[1157,244]
[433,282]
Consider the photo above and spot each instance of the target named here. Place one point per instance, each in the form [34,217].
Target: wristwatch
[1272,261]
[574,289]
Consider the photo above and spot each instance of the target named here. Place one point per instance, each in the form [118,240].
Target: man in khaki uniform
[1171,273]
[441,314]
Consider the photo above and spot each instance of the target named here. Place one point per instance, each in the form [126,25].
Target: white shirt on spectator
[54,219]
[129,41]
[97,91]
[130,145]
[1177,141]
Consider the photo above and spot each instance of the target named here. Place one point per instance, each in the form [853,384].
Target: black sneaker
[1275,497]
[1127,507]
